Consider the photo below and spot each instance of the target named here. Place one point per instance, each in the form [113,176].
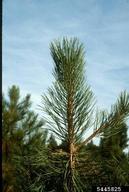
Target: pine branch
[119,113]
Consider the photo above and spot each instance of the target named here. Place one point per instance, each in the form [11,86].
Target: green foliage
[69,63]
[52,144]
[22,137]
[115,144]
[70,101]
[115,160]
[69,106]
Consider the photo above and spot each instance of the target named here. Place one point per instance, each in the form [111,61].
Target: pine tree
[115,160]
[13,112]
[116,143]
[21,135]
[70,103]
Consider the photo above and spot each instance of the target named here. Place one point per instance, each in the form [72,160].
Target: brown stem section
[71,144]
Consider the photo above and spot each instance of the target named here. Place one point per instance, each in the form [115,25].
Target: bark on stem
[71,143]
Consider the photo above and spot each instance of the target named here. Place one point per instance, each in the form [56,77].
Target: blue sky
[102,25]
